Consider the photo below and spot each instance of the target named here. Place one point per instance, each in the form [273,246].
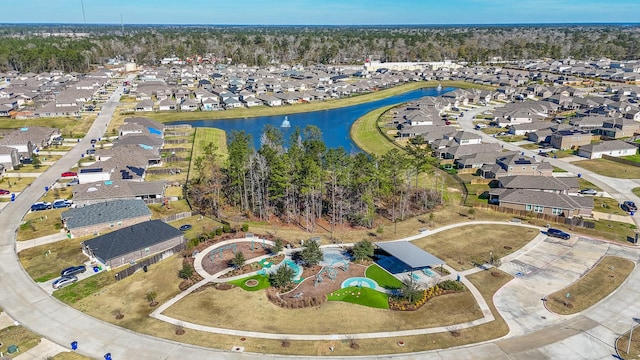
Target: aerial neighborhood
[498,128]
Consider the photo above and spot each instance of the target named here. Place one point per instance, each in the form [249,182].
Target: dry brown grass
[219,308]
[600,281]
[463,247]
[16,184]
[42,267]
[68,355]
[131,291]
[20,336]
[610,168]
[40,223]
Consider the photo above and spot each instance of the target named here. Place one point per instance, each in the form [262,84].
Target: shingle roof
[131,238]
[547,199]
[104,212]
[536,182]
[607,146]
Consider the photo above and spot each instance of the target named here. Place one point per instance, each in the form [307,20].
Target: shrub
[226,229]
[218,231]
[245,227]
[451,285]
[186,272]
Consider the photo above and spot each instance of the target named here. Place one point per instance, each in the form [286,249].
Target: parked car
[58,204]
[73,270]
[91,151]
[93,141]
[41,206]
[558,233]
[629,206]
[73,182]
[69,174]
[4,192]
[64,281]
[26,161]
[589,192]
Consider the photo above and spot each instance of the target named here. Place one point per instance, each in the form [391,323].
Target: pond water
[334,123]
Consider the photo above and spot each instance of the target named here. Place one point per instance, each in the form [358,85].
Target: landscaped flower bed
[445,287]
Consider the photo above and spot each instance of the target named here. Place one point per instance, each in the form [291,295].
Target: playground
[218,260]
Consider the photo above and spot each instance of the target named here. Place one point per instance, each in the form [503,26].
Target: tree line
[24,49]
[302,182]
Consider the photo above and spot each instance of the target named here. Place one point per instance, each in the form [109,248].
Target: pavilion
[411,257]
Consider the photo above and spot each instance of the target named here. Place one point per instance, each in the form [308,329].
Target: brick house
[133,243]
[105,216]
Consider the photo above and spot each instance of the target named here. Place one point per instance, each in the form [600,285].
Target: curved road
[587,336]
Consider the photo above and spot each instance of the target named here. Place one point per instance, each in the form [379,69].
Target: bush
[245,227]
[218,231]
[186,272]
[226,229]
[451,285]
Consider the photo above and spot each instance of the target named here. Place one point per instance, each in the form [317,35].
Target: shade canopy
[410,254]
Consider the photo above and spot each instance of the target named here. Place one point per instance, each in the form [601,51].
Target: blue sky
[319,12]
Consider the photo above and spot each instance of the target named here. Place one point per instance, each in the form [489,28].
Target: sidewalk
[22,245]
[41,351]
[612,217]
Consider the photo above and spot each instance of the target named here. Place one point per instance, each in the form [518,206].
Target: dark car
[40,206]
[91,151]
[26,161]
[629,206]
[185,227]
[558,233]
[73,270]
[4,192]
[93,141]
[64,281]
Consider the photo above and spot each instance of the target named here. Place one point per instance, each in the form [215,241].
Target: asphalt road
[26,302]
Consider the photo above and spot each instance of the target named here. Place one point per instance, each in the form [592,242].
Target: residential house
[133,243]
[570,139]
[9,157]
[96,192]
[104,216]
[27,139]
[611,148]
[615,128]
[167,105]
[543,202]
[144,105]
[516,164]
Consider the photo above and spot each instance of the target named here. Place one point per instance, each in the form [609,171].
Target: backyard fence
[177,216]
[175,159]
[148,261]
[621,160]
[575,221]
[176,141]
[177,126]
[164,171]
[172,150]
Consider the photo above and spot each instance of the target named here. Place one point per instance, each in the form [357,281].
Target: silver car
[64,281]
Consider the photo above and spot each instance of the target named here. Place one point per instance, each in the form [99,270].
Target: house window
[119,223]
[528,207]
[146,251]
[556,211]
[538,208]
[111,225]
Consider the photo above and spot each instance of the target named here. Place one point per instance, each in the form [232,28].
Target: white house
[611,148]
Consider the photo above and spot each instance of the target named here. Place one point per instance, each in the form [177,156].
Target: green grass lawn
[84,288]
[263,283]
[366,134]
[382,277]
[635,158]
[44,262]
[203,137]
[361,296]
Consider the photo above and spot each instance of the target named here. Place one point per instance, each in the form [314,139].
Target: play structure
[220,250]
[331,271]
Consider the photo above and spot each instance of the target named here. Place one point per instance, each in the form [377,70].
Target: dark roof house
[108,215]
[132,243]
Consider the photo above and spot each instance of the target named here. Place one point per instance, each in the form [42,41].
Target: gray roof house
[543,202]
[96,192]
[610,148]
[105,216]
[133,243]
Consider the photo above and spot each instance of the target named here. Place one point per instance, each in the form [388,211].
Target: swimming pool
[359,282]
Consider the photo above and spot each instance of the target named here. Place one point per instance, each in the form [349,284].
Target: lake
[334,123]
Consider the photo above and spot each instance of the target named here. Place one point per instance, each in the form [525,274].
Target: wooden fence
[575,221]
[621,160]
[164,171]
[171,150]
[177,216]
[176,141]
[148,261]
[178,126]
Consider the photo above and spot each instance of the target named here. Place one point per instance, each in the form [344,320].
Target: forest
[77,48]
[301,182]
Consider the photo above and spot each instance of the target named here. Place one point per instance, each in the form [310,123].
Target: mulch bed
[218,264]
[325,287]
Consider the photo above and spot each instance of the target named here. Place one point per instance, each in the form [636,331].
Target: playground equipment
[220,250]
[331,271]
[264,244]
